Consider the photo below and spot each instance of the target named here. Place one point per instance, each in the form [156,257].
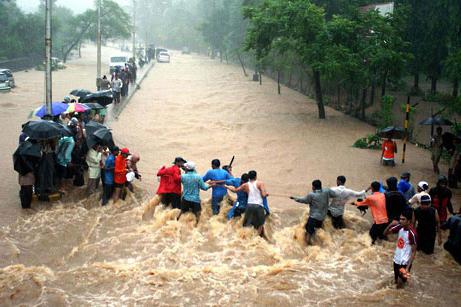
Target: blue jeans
[215,204]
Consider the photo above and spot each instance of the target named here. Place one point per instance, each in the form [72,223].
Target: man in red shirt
[169,189]
[389,149]
[120,173]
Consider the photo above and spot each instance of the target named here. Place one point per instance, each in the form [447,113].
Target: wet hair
[216,163]
[407,213]
[392,183]
[317,184]
[252,175]
[341,179]
[442,180]
[375,186]
[227,168]
[244,178]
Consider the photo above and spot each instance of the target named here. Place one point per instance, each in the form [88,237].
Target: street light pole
[134,31]
[48,77]
[98,42]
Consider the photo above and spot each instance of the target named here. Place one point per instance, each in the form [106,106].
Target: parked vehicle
[4,83]
[9,74]
[117,61]
[163,57]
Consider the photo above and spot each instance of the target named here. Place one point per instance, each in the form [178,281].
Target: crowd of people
[418,216]
[121,78]
[182,191]
[85,149]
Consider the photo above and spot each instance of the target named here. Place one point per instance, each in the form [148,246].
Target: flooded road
[77,253]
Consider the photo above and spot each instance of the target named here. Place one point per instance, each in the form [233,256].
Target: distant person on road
[169,188]
[124,76]
[405,251]
[337,204]
[192,184]
[389,149]
[436,149]
[377,203]
[427,223]
[318,201]
[255,214]
[117,88]
[218,191]
[105,84]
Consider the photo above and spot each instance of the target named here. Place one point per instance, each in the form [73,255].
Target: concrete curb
[116,111]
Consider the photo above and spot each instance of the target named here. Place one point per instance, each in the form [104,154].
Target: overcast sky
[78,6]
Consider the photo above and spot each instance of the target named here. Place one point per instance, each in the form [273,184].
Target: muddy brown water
[74,252]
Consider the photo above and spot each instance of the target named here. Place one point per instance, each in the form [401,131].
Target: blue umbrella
[56,107]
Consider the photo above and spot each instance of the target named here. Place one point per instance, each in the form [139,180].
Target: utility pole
[134,31]
[48,79]
[98,42]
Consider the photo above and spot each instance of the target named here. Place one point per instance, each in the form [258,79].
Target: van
[117,61]
[9,74]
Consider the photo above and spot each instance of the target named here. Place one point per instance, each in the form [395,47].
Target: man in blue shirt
[109,176]
[242,197]
[192,184]
[219,191]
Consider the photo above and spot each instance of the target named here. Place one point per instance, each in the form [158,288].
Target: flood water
[76,253]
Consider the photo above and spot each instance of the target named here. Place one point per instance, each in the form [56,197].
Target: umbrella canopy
[391,132]
[56,109]
[91,127]
[102,97]
[76,107]
[26,157]
[80,92]
[104,135]
[94,106]
[437,120]
[43,129]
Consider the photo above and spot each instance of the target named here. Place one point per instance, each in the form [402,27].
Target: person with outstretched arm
[318,201]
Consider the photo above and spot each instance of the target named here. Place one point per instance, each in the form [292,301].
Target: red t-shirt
[120,170]
[388,149]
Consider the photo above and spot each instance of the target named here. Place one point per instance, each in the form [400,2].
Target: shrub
[372,141]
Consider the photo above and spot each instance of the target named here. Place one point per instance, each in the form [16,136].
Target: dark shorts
[312,224]
[426,242]
[377,231]
[388,162]
[254,216]
[190,206]
[397,273]
[116,95]
[172,199]
[61,171]
[337,221]
[119,185]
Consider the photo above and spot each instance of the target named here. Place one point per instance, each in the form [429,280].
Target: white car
[9,75]
[117,61]
[4,83]
[163,57]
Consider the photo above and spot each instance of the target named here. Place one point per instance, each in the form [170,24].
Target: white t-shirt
[407,238]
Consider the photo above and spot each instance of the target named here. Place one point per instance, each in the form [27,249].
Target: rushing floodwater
[137,253]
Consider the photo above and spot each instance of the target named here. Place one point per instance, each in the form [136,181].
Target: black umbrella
[80,92]
[391,132]
[437,120]
[43,129]
[94,106]
[92,126]
[102,97]
[104,135]
[26,157]
[91,140]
